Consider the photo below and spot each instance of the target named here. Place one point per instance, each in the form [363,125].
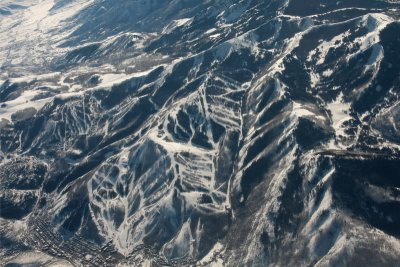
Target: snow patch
[176,24]
[340,113]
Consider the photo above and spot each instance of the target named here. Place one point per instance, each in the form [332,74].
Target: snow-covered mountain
[199,133]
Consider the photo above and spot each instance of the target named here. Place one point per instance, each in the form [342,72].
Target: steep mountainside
[201,133]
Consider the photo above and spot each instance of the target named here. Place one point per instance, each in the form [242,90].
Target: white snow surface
[175,24]
[30,36]
[340,113]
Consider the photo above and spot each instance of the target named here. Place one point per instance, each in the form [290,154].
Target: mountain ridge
[221,134]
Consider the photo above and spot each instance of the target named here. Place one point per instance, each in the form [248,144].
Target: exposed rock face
[204,133]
